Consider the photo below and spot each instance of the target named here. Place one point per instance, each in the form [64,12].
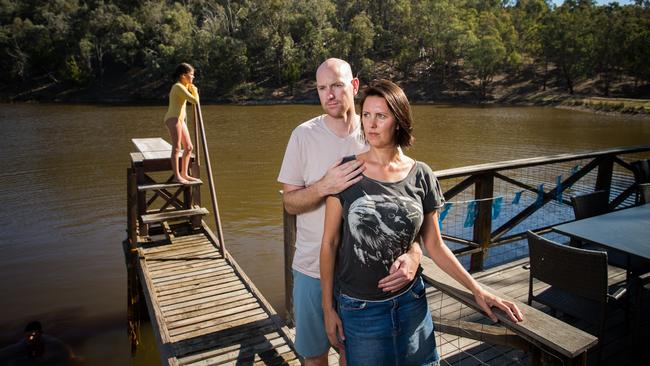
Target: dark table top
[626,230]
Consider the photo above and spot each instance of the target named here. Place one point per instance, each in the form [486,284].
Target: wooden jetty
[203,308]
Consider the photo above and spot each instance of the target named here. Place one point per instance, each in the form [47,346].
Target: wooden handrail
[541,160]
[208,167]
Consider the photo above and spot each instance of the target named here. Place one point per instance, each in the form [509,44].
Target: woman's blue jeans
[398,331]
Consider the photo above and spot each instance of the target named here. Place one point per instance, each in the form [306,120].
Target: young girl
[182,91]
[373,222]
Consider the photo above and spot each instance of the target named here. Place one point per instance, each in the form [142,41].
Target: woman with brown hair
[373,222]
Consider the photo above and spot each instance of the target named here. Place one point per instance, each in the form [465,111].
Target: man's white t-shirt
[311,150]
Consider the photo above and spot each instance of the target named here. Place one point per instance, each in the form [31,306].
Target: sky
[601,2]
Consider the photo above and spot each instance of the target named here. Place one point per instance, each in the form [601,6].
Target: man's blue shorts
[311,338]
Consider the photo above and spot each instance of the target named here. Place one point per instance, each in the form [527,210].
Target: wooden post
[132,207]
[289,249]
[483,189]
[208,169]
[604,177]
[142,201]
[196,193]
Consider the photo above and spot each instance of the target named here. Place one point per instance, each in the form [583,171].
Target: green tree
[362,35]
[488,54]
[567,40]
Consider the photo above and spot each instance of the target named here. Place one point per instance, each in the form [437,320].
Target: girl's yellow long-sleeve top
[178,97]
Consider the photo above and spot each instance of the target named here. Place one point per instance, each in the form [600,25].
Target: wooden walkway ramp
[204,310]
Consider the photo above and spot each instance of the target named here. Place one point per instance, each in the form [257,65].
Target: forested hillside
[125,50]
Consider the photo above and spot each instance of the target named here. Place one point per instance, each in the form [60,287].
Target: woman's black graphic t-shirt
[380,223]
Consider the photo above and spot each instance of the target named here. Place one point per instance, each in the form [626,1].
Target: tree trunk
[567,77]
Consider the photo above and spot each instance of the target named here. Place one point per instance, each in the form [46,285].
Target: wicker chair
[641,170]
[593,204]
[577,279]
[644,193]
[590,204]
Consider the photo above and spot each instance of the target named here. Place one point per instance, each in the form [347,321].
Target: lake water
[63,189]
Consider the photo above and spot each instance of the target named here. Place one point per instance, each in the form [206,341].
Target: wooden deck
[204,311]
[512,280]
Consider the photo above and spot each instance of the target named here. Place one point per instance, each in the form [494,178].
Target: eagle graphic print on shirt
[383,227]
[380,222]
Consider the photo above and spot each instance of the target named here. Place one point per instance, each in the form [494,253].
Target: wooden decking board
[242,294]
[184,253]
[233,286]
[215,314]
[182,267]
[190,275]
[196,288]
[154,248]
[278,356]
[169,264]
[220,269]
[223,339]
[185,270]
[227,321]
[172,215]
[197,253]
[246,350]
[218,327]
[220,297]
[232,306]
[162,264]
[171,288]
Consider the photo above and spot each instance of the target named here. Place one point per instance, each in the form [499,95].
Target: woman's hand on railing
[487,300]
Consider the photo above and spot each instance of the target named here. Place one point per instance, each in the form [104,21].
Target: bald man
[311,171]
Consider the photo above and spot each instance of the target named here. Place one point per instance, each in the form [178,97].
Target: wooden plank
[189,298]
[225,309]
[173,215]
[183,265]
[224,338]
[163,289]
[481,332]
[208,305]
[196,288]
[157,186]
[151,144]
[212,327]
[188,275]
[175,259]
[223,298]
[537,327]
[155,315]
[236,351]
[214,316]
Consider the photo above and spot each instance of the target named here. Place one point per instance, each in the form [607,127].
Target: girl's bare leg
[175,128]
[187,152]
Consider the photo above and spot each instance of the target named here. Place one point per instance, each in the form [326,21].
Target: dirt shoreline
[304,92]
